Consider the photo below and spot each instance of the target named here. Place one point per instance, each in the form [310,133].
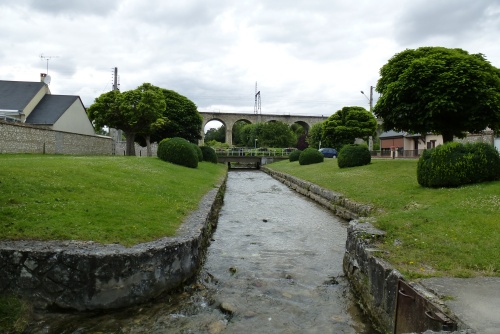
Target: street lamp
[256,142]
[370,99]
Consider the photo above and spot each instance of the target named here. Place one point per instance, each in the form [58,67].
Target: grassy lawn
[430,232]
[14,314]
[124,200]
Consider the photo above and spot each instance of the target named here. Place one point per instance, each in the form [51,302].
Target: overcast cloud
[307,56]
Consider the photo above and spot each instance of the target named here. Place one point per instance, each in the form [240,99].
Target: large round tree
[182,119]
[439,90]
[346,125]
[134,111]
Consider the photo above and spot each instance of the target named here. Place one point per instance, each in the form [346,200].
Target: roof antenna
[42,57]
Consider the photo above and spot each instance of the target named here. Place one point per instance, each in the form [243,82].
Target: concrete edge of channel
[83,275]
[374,280]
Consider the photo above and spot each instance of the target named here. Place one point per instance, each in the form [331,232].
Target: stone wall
[86,276]
[121,146]
[486,136]
[337,203]
[374,280]
[22,138]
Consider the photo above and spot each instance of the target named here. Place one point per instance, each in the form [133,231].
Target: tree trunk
[447,137]
[130,148]
[148,146]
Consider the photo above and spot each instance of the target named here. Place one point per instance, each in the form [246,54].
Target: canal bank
[384,293]
[86,276]
[273,265]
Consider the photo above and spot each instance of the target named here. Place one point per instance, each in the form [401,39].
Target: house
[32,103]
[407,144]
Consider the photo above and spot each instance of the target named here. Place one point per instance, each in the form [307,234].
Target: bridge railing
[254,152]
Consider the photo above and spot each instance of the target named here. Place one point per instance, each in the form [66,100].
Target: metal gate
[414,313]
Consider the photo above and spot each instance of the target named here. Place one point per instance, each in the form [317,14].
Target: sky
[307,57]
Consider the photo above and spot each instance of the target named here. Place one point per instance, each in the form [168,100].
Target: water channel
[274,266]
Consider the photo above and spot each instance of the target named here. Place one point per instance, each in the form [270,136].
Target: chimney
[42,77]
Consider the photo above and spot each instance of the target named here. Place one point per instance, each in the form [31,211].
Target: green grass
[124,200]
[14,314]
[430,232]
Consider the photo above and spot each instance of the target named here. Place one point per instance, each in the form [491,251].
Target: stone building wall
[22,138]
[486,136]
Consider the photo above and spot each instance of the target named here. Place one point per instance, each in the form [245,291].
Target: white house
[32,103]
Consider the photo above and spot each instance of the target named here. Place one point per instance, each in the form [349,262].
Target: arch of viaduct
[229,119]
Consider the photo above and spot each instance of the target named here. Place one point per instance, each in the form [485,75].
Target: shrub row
[179,151]
[310,156]
[354,155]
[349,156]
[455,164]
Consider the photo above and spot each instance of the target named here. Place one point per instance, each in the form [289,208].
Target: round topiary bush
[354,155]
[310,156]
[178,151]
[294,156]
[209,154]
[455,164]
[198,152]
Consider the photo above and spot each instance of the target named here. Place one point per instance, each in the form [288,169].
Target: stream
[274,265]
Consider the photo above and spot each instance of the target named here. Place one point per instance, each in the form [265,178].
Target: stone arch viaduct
[229,119]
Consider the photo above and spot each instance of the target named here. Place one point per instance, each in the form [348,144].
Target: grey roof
[16,95]
[50,108]
[393,134]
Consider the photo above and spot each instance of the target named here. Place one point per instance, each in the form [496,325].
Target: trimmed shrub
[161,150]
[354,155]
[455,164]
[178,151]
[310,156]
[198,152]
[209,154]
[294,156]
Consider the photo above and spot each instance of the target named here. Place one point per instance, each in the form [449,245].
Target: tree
[346,125]
[237,127]
[439,90]
[148,101]
[271,134]
[182,119]
[216,134]
[276,134]
[134,111]
[300,133]
[248,133]
[315,135]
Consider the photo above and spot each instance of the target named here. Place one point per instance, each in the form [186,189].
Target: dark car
[328,152]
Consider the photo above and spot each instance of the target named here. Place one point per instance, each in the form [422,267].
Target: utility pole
[370,103]
[115,79]
[257,106]
[115,133]
[47,58]
[370,99]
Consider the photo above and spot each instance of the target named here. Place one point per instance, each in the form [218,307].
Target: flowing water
[274,266]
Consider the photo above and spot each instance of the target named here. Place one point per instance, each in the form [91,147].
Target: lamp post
[370,99]
[256,142]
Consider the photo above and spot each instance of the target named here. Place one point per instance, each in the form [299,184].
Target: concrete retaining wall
[86,276]
[22,138]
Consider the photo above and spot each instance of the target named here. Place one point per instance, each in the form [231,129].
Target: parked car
[328,152]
